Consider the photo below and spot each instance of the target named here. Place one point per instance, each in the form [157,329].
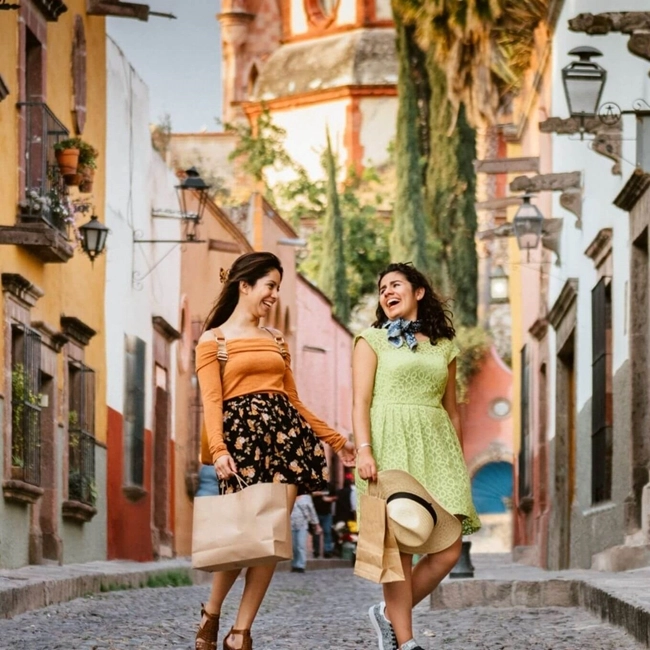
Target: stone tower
[314,64]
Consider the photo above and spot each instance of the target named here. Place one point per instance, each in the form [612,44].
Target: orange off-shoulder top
[254,365]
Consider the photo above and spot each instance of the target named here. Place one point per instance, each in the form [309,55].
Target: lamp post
[583,81]
[93,237]
[527,225]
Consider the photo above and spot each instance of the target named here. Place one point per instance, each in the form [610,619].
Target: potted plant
[87,165]
[67,155]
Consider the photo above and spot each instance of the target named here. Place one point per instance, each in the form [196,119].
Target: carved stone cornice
[77,330]
[51,9]
[51,337]
[600,247]
[546,182]
[564,301]
[539,328]
[633,190]
[165,329]
[551,236]
[568,183]
[21,289]
[634,23]
[607,138]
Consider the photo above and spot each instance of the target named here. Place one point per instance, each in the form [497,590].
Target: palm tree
[483,46]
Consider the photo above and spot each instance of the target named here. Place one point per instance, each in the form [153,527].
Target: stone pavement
[318,610]
[327,609]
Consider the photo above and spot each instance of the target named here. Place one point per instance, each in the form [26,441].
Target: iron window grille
[81,434]
[25,404]
[602,406]
[134,410]
[45,196]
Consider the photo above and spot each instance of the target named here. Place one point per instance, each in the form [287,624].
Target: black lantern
[583,81]
[93,237]
[192,184]
[528,224]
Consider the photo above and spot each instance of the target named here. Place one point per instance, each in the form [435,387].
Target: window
[25,404]
[524,451]
[81,433]
[134,405]
[601,403]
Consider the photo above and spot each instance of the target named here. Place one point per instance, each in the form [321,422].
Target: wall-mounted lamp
[93,237]
[527,225]
[499,285]
[192,186]
[584,82]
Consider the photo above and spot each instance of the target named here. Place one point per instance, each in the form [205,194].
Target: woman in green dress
[405,417]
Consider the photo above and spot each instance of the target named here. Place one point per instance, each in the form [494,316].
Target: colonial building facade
[316,65]
[52,348]
[580,307]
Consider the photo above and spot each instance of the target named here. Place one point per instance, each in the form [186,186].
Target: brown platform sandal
[247,640]
[206,637]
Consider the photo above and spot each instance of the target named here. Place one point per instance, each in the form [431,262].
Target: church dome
[363,57]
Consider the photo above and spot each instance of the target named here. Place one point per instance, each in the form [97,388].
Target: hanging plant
[21,394]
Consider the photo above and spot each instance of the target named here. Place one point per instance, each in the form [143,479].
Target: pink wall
[322,358]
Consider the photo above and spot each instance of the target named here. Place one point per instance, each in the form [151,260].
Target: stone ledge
[626,611]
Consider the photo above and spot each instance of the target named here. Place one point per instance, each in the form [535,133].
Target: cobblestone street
[320,610]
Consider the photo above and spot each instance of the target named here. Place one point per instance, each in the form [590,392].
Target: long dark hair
[432,310]
[249,268]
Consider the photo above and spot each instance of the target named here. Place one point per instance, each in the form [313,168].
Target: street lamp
[498,285]
[93,237]
[192,184]
[583,81]
[528,224]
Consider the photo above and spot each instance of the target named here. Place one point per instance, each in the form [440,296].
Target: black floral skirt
[271,443]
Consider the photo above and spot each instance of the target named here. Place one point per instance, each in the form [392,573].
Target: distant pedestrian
[405,418]
[323,502]
[303,516]
[256,425]
[344,510]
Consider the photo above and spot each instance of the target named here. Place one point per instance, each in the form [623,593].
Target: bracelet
[365,444]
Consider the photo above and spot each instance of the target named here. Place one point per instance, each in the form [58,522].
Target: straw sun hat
[420,524]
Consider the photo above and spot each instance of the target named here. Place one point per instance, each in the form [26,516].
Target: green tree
[408,236]
[260,147]
[331,276]
[450,196]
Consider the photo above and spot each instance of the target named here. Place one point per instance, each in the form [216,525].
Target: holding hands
[366,465]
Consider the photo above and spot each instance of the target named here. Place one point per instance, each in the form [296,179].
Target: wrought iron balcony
[45,192]
[44,210]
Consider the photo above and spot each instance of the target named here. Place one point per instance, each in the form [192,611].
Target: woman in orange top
[256,425]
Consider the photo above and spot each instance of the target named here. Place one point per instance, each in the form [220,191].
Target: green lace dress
[410,429]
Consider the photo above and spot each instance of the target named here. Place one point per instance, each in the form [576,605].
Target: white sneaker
[385,634]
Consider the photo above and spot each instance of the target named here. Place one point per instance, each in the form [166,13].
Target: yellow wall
[73,288]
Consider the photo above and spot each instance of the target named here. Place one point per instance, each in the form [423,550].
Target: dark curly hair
[432,310]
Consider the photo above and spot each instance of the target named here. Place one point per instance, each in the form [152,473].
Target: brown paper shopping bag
[378,557]
[242,529]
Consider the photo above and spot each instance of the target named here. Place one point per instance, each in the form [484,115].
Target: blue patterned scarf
[400,331]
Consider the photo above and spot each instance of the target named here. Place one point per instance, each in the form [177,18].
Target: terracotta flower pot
[68,160]
[73,179]
[87,176]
